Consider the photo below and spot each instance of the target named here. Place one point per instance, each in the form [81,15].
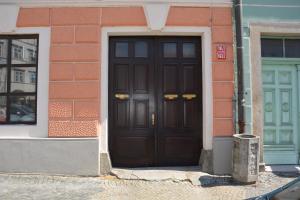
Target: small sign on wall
[221,52]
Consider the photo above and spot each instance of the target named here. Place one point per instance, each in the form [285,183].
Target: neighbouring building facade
[89,86]
[271,59]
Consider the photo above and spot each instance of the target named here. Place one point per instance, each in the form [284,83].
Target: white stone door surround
[204,32]
[256,31]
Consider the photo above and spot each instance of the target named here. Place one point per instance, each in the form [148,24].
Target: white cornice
[94,3]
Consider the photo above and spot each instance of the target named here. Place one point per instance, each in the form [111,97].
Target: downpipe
[239,60]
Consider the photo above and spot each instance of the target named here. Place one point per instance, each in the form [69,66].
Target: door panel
[159,122]
[170,113]
[131,137]
[122,78]
[179,119]
[170,78]
[121,114]
[190,114]
[280,113]
[141,79]
[189,78]
[141,115]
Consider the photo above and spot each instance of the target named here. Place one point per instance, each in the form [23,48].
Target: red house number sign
[221,52]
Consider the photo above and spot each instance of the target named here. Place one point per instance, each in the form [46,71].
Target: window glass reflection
[292,48]
[2,108]
[121,49]
[23,79]
[24,51]
[271,47]
[3,51]
[3,79]
[22,108]
[141,49]
[170,50]
[188,50]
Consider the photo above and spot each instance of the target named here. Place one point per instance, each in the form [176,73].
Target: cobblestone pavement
[27,187]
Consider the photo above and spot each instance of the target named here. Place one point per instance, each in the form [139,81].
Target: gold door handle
[153,119]
[171,96]
[189,96]
[122,96]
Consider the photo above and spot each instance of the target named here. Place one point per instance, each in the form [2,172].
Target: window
[18,75]
[32,77]
[31,56]
[170,50]
[1,48]
[3,51]
[17,52]
[121,50]
[188,50]
[292,48]
[280,47]
[141,49]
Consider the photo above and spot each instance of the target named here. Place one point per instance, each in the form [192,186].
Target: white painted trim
[156,15]
[204,32]
[40,130]
[8,17]
[104,3]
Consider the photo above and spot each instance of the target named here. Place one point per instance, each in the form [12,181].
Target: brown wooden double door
[155,101]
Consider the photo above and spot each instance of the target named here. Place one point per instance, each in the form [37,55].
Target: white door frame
[204,32]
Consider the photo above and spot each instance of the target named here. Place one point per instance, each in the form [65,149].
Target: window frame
[279,37]
[9,66]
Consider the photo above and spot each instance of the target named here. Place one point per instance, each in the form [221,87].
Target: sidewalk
[40,187]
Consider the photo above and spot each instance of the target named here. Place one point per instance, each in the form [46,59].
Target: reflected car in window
[21,113]
[2,114]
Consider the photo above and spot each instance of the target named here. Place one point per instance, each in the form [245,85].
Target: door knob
[189,96]
[122,96]
[171,96]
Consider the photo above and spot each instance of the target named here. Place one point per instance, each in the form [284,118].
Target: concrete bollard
[245,158]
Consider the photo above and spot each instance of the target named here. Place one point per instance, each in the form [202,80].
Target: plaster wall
[255,11]
[262,18]
[76,84]
[75,61]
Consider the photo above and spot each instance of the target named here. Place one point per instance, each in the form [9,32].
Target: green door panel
[280,113]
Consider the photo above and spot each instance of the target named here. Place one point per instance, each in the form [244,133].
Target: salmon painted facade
[104,68]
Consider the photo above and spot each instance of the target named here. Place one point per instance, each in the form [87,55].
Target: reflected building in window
[3,51]
[24,51]
[18,79]
[3,80]
[23,79]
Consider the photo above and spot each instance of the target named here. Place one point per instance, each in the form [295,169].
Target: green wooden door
[280,94]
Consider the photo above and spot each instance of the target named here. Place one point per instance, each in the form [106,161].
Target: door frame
[257,30]
[207,97]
